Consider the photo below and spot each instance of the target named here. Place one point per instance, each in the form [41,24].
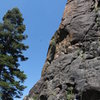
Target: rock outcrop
[72,67]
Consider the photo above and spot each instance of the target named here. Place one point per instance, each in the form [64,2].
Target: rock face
[72,67]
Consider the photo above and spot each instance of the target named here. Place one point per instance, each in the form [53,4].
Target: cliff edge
[72,68]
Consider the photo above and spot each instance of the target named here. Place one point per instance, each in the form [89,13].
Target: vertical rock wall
[72,68]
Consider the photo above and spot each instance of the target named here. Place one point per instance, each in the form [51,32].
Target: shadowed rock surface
[72,68]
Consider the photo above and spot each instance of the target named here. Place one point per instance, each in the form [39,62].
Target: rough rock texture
[72,67]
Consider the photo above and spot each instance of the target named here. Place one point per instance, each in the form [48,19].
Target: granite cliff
[72,68]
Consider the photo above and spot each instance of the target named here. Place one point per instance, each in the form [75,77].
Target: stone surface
[72,68]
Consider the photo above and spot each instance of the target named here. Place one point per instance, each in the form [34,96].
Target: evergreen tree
[11,52]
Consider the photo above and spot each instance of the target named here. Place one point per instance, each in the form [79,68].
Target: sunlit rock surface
[72,68]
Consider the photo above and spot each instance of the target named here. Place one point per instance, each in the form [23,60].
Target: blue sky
[42,19]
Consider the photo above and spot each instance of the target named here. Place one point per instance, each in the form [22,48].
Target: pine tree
[11,52]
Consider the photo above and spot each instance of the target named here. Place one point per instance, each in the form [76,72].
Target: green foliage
[70,94]
[35,97]
[11,51]
[53,42]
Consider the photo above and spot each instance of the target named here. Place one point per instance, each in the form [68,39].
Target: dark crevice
[73,42]
[98,3]
[90,95]
[60,86]
[43,97]
[48,77]
[70,84]
[63,34]
[60,35]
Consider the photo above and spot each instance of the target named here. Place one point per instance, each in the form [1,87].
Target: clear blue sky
[42,19]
